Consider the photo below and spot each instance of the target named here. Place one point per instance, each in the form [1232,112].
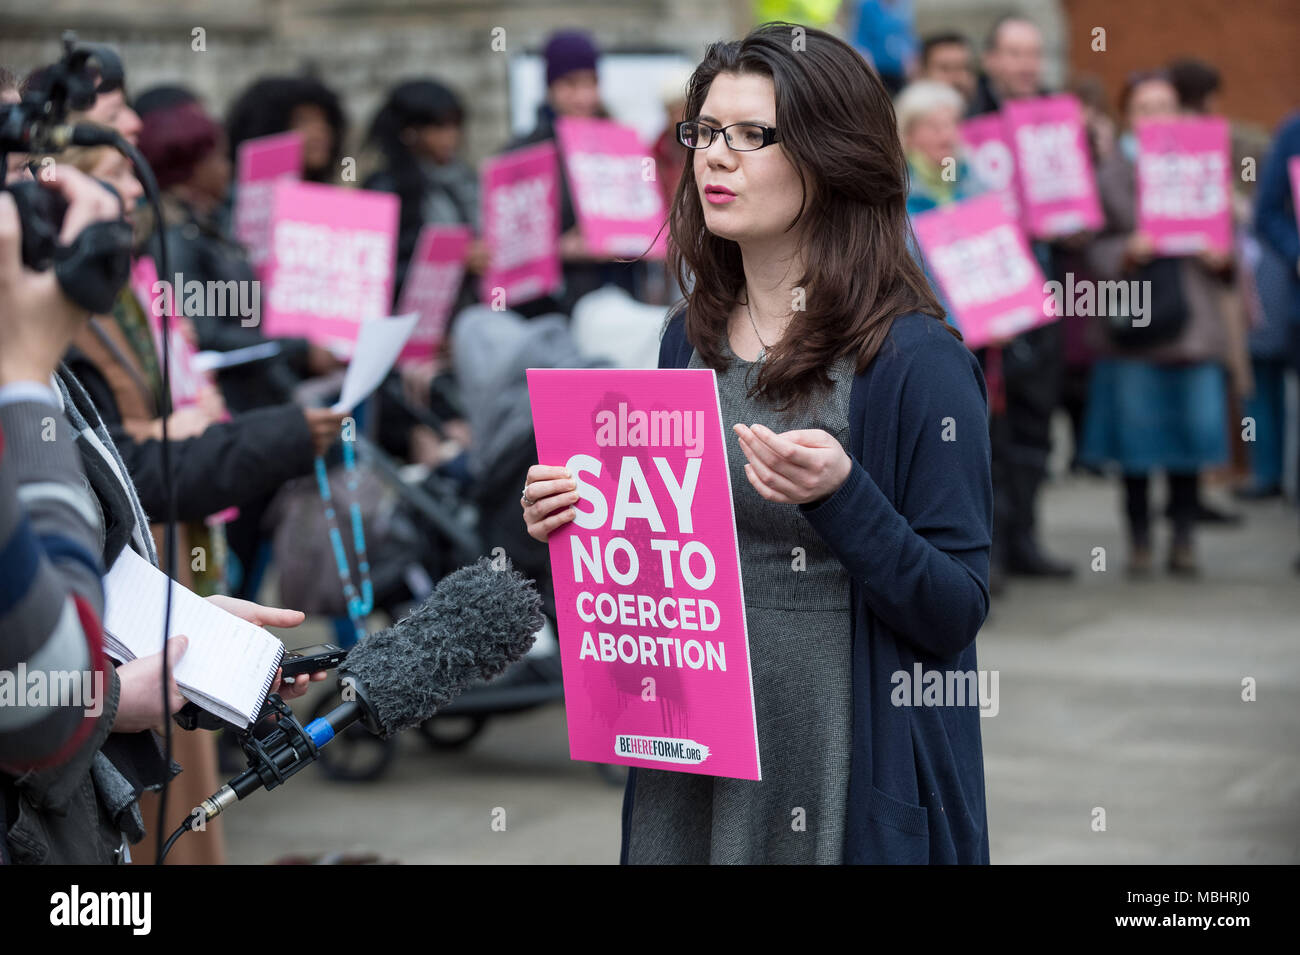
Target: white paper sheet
[379,342]
[216,360]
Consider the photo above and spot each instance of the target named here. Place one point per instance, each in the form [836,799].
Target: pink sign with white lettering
[983,264]
[154,296]
[432,283]
[989,153]
[521,225]
[648,596]
[1184,184]
[611,174]
[1053,167]
[331,261]
[262,163]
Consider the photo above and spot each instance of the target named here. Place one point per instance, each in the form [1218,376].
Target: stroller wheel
[451,732]
[356,755]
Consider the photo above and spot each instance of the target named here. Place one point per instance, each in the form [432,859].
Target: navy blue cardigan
[912,526]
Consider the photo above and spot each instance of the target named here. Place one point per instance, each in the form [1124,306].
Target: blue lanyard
[358,606]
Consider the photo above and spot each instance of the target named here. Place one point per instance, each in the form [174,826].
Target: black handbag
[1162,287]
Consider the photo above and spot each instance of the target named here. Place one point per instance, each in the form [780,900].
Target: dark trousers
[1030,374]
[1182,504]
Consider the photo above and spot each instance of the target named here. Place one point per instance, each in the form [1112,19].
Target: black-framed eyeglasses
[743,137]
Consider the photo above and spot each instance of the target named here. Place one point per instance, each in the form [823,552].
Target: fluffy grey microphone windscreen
[477,622]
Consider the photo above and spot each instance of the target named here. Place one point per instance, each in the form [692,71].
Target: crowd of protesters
[1174,409]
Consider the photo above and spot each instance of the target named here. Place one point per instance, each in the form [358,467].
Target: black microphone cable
[90,135]
[150,184]
[93,136]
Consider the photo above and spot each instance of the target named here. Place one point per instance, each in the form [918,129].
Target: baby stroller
[460,513]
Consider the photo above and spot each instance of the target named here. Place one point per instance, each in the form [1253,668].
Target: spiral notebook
[230,663]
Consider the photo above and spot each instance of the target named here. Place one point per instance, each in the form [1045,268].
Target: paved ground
[1112,694]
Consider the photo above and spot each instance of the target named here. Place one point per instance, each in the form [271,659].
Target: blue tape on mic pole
[360,602]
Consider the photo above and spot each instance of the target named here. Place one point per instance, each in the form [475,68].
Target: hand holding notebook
[230,664]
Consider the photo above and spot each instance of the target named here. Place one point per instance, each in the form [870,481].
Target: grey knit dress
[797,611]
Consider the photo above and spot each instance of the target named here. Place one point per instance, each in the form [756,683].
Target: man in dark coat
[1032,363]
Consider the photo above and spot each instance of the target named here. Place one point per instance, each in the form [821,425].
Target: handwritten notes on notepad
[230,663]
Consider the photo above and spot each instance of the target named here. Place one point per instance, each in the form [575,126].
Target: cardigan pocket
[885,809]
[901,831]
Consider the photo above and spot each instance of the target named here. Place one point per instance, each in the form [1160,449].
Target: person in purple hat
[573,89]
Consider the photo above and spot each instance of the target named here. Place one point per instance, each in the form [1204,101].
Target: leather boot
[1024,556]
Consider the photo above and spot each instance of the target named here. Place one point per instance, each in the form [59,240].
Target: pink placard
[1057,190]
[611,174]
[153,296]
[991,160]
[521,225]
[331,261]
[1184,184]
[981,260]
[1293,166]
[432,284]
[262,163]
[648,594]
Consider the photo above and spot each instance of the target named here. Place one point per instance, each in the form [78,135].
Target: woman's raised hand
[794,467]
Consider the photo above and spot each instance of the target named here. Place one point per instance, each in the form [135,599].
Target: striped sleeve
[53,676]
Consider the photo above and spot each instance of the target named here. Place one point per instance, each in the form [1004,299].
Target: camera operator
[71,782]
[57,813]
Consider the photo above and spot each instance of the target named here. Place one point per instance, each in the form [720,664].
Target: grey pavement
[1112,694]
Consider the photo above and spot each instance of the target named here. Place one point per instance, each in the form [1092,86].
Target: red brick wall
[1255,44]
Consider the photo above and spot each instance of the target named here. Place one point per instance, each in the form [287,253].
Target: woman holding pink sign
[1158,396]
[859,462]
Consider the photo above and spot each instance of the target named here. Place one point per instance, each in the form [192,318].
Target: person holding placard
[1031,369]
[1157,399]
[573,89]
[418,133]
[859,461]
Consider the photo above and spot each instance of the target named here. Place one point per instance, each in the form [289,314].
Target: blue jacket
[1275,222]
[912,526]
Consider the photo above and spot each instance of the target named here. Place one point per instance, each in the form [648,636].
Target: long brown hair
[836,124]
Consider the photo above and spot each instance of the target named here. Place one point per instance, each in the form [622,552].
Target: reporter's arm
[231,463]
[228,465]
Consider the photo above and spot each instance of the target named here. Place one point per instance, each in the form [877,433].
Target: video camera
[97,263]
